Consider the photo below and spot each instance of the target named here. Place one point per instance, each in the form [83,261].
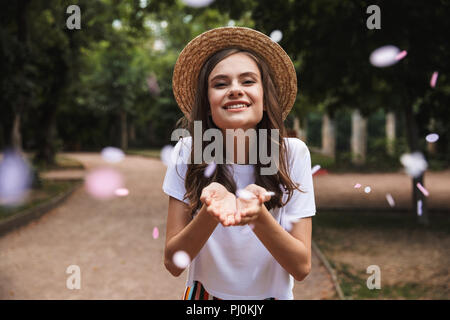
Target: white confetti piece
[167,155]
[122,192]
[269,193]
[276,35]
[112,154]
[197,3]
[210,169]
[315,169]
[181,259]
[384,56]
[245,194]
[290,221]
[419,208]
[15,179]
[367,189]
[414,163]
[432,137]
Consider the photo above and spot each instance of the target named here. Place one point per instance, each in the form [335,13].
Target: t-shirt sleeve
[173,184]
[301,204]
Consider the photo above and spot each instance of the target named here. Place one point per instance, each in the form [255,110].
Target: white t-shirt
[234,264]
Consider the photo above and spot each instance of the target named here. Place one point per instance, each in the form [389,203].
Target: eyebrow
[223,76]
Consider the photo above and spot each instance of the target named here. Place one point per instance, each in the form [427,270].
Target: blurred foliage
[86,89]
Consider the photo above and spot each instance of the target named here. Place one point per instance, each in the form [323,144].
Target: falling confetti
[103,183]
[121,192]
[434,79]
[357,186]
[112,154]
[15,179]
[432,137]
[401,55]
[181,259]
[167,155]
[276,35]
[210,169]
[367,189]
[315,169]
[245,194]
[414,163]
[269,193]
[422,188]
[419,208]
[390,199]
[153,86]
[290,221]
[384,56]
[197,3]
[155,233]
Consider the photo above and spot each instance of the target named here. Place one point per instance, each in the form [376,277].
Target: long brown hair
[195,180]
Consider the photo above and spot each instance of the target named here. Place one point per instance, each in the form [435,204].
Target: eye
[218,85]
[249,81]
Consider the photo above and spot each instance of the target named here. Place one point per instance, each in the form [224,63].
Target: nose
[235,91]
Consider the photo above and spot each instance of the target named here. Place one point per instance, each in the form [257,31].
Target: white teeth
[237,106]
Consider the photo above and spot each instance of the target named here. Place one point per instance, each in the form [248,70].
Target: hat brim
[198,50]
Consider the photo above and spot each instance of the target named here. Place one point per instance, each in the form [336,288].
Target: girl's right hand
[220,203]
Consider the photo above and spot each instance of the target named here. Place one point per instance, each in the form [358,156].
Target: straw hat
[196,52]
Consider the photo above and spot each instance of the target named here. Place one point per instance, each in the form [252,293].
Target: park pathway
[111,241]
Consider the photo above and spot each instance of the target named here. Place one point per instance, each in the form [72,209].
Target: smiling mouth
[237,107]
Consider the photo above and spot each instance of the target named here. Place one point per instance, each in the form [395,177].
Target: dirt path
[111,242]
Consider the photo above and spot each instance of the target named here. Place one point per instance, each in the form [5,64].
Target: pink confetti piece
[421,188]
[434,79]
[390,199]
[102,183]
[315,169]
[155,233]
[401,55]
[357,186]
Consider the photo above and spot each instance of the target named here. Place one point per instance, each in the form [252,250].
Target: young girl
[240,247]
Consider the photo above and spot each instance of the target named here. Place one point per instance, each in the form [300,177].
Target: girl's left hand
[248,210]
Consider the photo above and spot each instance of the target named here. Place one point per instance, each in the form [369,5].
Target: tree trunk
[359,138]
[431,146]
[390,133]
[413,142]
[123,127]
[132,133]
[328,136]
[16,136]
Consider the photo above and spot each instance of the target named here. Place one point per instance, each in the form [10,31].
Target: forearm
[191,239]
[291,253]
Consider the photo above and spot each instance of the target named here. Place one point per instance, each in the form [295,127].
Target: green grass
[354,286]
[49,190]
[362,235]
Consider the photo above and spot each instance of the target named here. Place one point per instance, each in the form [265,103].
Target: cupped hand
[220,203]
[249,208]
